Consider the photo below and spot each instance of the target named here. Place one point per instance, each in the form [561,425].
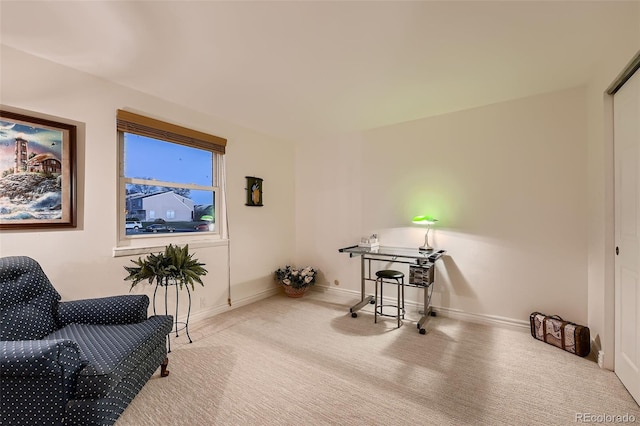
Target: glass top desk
[415,258]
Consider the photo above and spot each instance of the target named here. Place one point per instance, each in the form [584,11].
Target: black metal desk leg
[427,311]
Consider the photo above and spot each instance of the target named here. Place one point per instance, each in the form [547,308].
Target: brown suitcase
[566,335]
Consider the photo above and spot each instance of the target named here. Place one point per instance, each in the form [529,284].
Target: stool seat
[389,273]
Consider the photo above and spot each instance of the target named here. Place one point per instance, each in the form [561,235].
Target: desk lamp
[425,220]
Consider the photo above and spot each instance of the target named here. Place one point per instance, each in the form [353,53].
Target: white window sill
[150,248]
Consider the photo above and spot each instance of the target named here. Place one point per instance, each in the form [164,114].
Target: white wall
[80,261]
[352,222]
[507,181]
[329,206]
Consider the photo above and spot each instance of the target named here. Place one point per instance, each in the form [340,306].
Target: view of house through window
[168,187]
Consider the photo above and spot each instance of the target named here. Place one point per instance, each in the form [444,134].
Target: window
[169,178]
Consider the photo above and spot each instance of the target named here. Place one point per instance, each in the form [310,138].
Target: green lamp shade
[424,220]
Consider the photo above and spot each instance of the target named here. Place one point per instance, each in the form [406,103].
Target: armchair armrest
[34,358]
[126,309]
[38,379]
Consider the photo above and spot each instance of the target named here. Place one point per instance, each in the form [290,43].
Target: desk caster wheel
[354,315]
[372,302]
[433,313]
[423,331]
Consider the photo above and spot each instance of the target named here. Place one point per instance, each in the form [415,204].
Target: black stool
[388,275]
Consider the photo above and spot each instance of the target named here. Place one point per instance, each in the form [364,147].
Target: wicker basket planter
[295,292]
[295,281]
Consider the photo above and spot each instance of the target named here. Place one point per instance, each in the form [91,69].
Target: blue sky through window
[148,158]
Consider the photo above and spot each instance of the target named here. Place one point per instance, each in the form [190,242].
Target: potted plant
[296,282]
[173,266]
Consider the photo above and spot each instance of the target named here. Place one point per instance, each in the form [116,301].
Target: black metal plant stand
[177,325]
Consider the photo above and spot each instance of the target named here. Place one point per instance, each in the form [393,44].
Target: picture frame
[254,191]
[37,173]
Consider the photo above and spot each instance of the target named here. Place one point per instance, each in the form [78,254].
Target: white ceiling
[296,69]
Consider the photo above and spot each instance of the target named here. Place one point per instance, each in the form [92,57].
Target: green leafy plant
[174,264]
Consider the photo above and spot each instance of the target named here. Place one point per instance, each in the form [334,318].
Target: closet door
[626,105]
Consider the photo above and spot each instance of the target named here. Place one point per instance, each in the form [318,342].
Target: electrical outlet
[601,359]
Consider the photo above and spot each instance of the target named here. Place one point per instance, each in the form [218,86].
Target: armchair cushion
[27,300]
[126,309]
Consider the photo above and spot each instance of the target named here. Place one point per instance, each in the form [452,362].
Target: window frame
[128,122]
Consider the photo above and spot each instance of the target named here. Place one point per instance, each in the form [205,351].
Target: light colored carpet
[305,361]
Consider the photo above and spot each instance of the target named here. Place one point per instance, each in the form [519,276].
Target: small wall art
[37,172]
[254,191]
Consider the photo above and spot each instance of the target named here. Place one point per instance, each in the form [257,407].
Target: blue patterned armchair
[71,363]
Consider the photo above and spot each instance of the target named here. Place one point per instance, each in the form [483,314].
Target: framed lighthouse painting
[37,173]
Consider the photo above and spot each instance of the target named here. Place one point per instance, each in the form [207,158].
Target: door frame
[608,346]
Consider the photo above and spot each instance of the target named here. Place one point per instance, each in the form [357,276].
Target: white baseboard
[458,314]
[492,320]
[215,310]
